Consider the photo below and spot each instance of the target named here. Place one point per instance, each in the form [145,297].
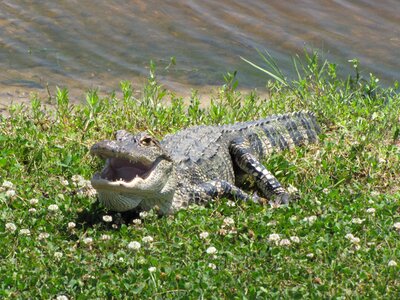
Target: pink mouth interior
[123,169]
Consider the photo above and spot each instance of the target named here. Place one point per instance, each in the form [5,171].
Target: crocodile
[198,164]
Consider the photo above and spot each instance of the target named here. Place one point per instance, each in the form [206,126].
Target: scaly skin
[197,164]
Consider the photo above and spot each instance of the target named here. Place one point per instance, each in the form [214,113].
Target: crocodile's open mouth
[122,184]
[118,169]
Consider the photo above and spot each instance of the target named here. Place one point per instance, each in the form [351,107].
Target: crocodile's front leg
[213,189]
[250,165]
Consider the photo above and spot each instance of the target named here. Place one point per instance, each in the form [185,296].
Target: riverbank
[339,240]
[20,94]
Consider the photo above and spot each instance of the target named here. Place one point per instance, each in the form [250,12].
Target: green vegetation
[340,240]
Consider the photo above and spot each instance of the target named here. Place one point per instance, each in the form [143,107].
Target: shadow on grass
[93,217]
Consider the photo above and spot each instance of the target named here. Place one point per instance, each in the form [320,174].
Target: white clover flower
[88,184]
[292,189]
[10,227]
[229,221]
[83,183]
[143,214]
[25,231]
[43,235]
[371,210]
[274,237]
[86,189]
[222,231]
[204,235]
[295,239]
[10,194]
[64,182]
[392,263]
[285,243]
[134,245]
[71,225]
[7,184]
[147,239]
[87,240]
[90,192]
[32,210]
[107,218]
[211,250]
[396,226]
[137,221]
[33,201]
[53,208]
[231,203]
[105,237]
[325,191]
[152,269]
[58,255]
[62,297]
[349,236]
[310,219]
[357,221]
[77,178]
[353,239]
[212,266]
[310,255]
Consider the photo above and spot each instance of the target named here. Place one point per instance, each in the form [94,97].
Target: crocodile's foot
[280,199]
[259,200]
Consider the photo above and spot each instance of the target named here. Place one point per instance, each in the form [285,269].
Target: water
[84,44]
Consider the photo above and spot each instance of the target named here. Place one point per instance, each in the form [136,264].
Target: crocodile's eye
[148,141]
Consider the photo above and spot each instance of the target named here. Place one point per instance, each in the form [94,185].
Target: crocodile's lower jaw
[118,202]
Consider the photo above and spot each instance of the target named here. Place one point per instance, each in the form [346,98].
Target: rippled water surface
[95,44]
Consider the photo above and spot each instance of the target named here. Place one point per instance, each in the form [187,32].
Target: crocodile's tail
[293,129]
[305,121]
[281,132]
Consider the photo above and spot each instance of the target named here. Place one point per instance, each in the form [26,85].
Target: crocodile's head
[138,171]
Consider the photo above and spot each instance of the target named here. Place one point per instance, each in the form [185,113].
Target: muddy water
[84,44]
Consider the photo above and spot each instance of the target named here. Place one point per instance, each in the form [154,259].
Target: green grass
[349,184]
